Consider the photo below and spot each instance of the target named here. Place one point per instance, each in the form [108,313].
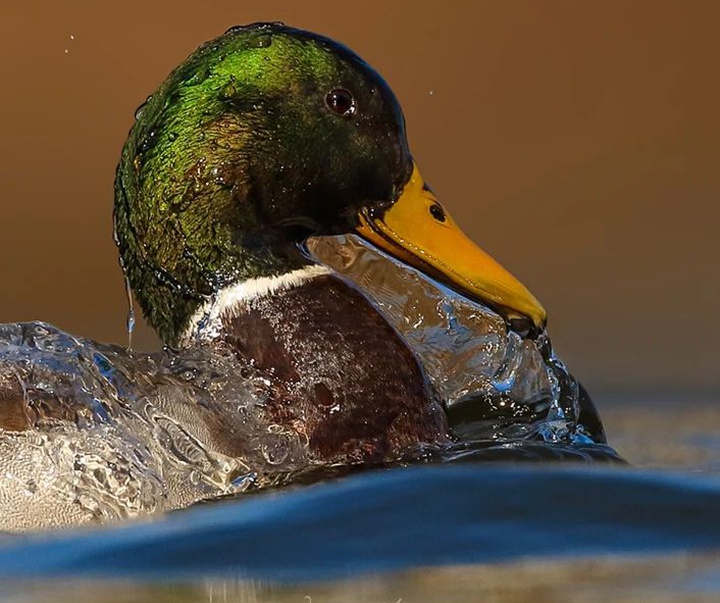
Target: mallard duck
[262,138]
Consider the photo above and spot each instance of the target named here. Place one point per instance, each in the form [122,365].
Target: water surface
[474,521]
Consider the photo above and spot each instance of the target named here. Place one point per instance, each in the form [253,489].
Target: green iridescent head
[261,137]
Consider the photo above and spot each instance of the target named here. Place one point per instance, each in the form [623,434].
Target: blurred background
[577,142]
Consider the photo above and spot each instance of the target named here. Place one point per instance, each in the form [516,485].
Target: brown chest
[341,375]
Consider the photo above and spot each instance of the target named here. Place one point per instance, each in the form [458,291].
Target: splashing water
[497,385]
[95,432]
[98,432]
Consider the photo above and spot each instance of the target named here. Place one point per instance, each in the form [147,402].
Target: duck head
[261,138]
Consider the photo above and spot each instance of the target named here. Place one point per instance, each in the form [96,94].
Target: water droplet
[141,108]
[40,330]
[104,365]
[189,374]
[275,452]
[229,91]
[243,481]
[131,313]
[263,41]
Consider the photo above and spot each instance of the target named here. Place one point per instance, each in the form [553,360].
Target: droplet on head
[141,108]
[263,41]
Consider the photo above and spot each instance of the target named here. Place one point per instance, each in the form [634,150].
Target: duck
[261,139]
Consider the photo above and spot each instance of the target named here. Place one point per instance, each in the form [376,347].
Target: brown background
[578,142]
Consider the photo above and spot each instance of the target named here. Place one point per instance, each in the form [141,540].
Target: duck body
[275,364]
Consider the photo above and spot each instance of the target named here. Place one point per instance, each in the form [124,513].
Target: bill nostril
[437,212]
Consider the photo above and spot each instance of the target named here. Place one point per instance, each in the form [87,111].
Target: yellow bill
[418,231]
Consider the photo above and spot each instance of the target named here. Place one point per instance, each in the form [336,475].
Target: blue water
[431,525]
[394,520]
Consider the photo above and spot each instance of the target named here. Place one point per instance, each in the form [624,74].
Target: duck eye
[340,101]
[437,212]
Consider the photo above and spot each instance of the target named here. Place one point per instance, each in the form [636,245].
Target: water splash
[497,384]
[95,432]
[92,432]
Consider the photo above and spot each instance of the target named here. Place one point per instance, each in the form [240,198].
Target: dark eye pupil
[437,212]
[341,102]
